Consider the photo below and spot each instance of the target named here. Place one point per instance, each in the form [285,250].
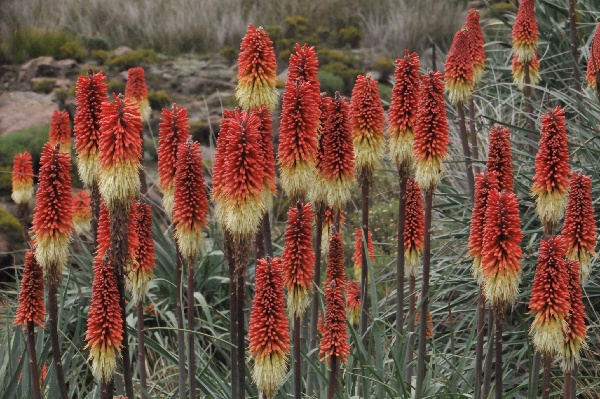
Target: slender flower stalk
[353,303]
[413,228]
[574,329]
[22,178]
[476,43]
[500,157]
[525,32]
[60,130]
[518,71]
[82,212]
[137,92]
[358,250]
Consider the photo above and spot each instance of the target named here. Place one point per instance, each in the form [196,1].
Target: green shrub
[29,43]
[385,66]
[115,86]
[31,139]
[330,83]
[230,52]
[133,58]
[92,43]
[10,228]
[344,71]
[159,99]
[100,56]
[200,132]
[5,180]
[72,49]
[385,92]
[348,37]
[43,85]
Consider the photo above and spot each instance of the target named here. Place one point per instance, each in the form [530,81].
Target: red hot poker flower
[403,109]
[136,91]
[82,211]
[551,179]
[298,258]
[218,172]
[525,32]
[174,129]
[500,157]
[476,44]
[142,270]
[257,71]
[367,121]
[459,73]
[431,132]
[579,228]
[269,328]
[414,228]
[53,212]
[518,71]
[501,252]
[593,65]
[353,302]
[304,65]
[266,132]
[575,330]
[318,190]
[358,249]
[31,296]
[91,93]
[60,130]
[22,178]
[120,151]
[550,297]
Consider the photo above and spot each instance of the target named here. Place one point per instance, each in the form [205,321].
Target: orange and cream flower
[414,228]
[525,32]
[60,130]
[137,92]
[593,66]
[500,157]
[22,178]
[458,70]
[575,329]
[476,44]
[266,132]
[318,190]
[82,211]
[142,270]
[518,71]
[31,296]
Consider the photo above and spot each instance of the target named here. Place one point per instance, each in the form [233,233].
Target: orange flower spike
[31,296]
[476,44]
[594,61]
[190,209]
[218,172]
[518,71]
[403,109]
[298,258]
[304,65]
[358,248]
[353,302]
[431,132]
[103,235]
[549,301]
[551,179]
[525,32]
[53,212]
[137,92]
[142,271]
[501,252]
[60,130]
[174,129]
[22,178]
[318,189]
[120,151]
[257,71]
[367,122]
[82,212]
[266,132]
[576,330]
[579,227]
[269,328]
[91,93]
[414,228]
[458,70]
[500,157]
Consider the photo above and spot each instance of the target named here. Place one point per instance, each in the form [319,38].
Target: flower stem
[574,45]
[479,345]
[191,328]
[412,305]
[498,371]
[229,250]
[314,313]
[180,326]
[462,123]
[53,280]
[547,375]
[403,178]
[297,359]
[33,365]
[141,348]
[95,204]
[473,131]
[333,377]
[489,356]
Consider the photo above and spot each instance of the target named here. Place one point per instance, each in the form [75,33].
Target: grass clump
[132,59]
[159,99]
[31,139]
[44,86]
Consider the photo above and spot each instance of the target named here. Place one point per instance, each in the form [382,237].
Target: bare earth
[22,109]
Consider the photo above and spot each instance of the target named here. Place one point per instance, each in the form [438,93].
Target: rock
[377,75]
[283,76]
[63,84]
[68,68]
[22,109]
[201,84]
[122,50]
[41,67]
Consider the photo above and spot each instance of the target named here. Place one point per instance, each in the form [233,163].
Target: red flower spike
[304,65]
[575,329]
[518,71]
[551,179]
[91,93]
[550,297]
[501,252]
[579,228]
[218,172]
[367,121]
[298,258]
[500,157]
[525,32]
[60,130]
[82,212]
[53,212]
[353,302]
[103,235]
[403,109]
[269,328]
[358,248]
[136,91]
[22,178]
[257,71]
[298,138]
[458,70]
[414,228]
[120,151]
[431,132]
[593,65]
[31,296]
[142,271]
[266,132]
[174,129]
[476,44]
[318,189]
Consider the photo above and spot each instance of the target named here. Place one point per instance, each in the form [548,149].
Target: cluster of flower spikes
[174,129]
[257,71]
[60,130]
[458,70]
[31,295]
[269,328]
[367,120]
[91,93]
[298,258]
[525,32]
[358,250]
[137,92]
[353,302]
[238,173]
[142,269]
[120,151]
[414,228]
[579,227]
[593,66]
[575,330]
[403,109]
[82,211]
[501,251]
[334,333]
[518,71]
[22,178]
[549,302]
[551,179]
[500,157]
[190,208]
[318,191]
[476,44]
[431,132]
[53,212]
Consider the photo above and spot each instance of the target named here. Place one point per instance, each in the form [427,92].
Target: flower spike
[142,269]
[266,131]
[500,157]
[318,191]
[31,296]
[22,178]
[575,329]
[459,73]
[60,130]
[593,66]
[525,32]
[82,212]
[353,302]
[476,44]
[136,91]
[414,228]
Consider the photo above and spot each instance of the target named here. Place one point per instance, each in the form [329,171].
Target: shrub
[344,71]
[31,139]
[72,49]
[330,83]
[159,99]
[43,85]
[348,37]
[115,86]
[92,43]
[25,44]
[385,67]
[100,56]
[230,53]
[10,229]
[133,58]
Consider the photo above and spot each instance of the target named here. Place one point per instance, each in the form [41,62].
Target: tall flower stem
[106,390]
[33,365]
[297,359]
[95,202]
[229,251]
[412,305]
[365,186]
[242,247]
[479,345]
[567,384]
[535,378]
[53,280]
[547,375]
[141,348]
[190,326]
[462,123]
[314,311]
[498,371]
[574,381]
[487,373]
[266,235]
[23,215]
[180,325]
[473,131]
[403,178]
[333,377]
[574,45]
[530,124]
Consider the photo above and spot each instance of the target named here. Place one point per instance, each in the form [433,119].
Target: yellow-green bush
[44,85]
[24,44]
[159,99]
[115,86]
[72,49]
[31,139]
[348,37]
[100,56]
[10,228]
[133,58]
[330,83]
[230,52]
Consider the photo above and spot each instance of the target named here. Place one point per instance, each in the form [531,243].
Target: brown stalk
[365,179]
[479,345]
[333,377]
[314,311]
[95,203]
[180,326]
[412,305]
[403,178]
[473,131]
[33,365]
[229,250]
[53,279]
[190,333]
[500,311]
[466,150]
[547,360]
[487,373]
[141,348]
[242,248]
